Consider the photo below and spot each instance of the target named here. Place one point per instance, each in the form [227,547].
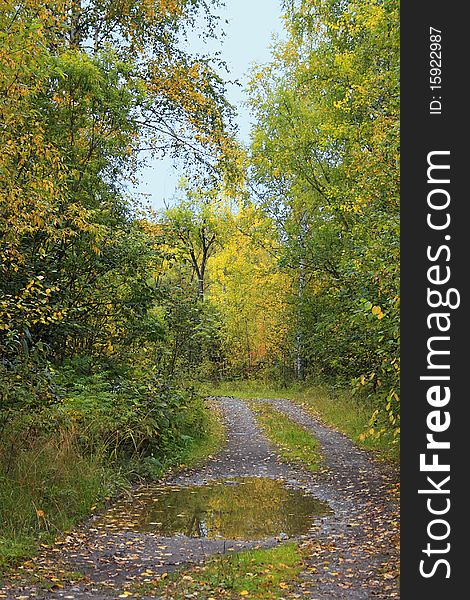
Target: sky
[247,40]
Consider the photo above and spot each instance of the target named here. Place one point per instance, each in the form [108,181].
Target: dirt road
[351,554]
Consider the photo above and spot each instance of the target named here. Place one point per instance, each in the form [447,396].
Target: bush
[106,427]
[130,411]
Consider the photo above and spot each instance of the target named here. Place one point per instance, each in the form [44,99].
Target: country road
[352,551]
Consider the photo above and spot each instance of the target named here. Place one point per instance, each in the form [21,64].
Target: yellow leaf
[244,593]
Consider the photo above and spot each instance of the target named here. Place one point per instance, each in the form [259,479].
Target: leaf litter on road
[352,553]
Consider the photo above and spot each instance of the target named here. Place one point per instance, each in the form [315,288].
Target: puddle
[242,508]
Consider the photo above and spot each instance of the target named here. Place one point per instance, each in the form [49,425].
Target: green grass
[258,573]
[209,443]
[45,490]
[50,483]
[335,407]
[295,443]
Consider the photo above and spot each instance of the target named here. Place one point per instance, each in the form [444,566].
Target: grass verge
[50,482]
[335,407]
[258,573]
[295,443]
[209,443]
[48,487]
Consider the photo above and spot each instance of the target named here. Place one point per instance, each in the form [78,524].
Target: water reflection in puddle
[243,508]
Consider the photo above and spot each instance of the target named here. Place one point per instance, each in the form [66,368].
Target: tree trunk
[200,286]
[75,34]
[300,358]
[248,349]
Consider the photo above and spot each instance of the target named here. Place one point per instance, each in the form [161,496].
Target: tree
[86,85]
[195,226]
[251,294]
[325,166]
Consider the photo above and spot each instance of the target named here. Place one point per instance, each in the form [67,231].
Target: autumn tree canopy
[279,260]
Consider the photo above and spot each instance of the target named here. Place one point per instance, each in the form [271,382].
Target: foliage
[74,260]
[223,252]
[325,166]
[250,292]
[59,463]
[195,228]
[85,331]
